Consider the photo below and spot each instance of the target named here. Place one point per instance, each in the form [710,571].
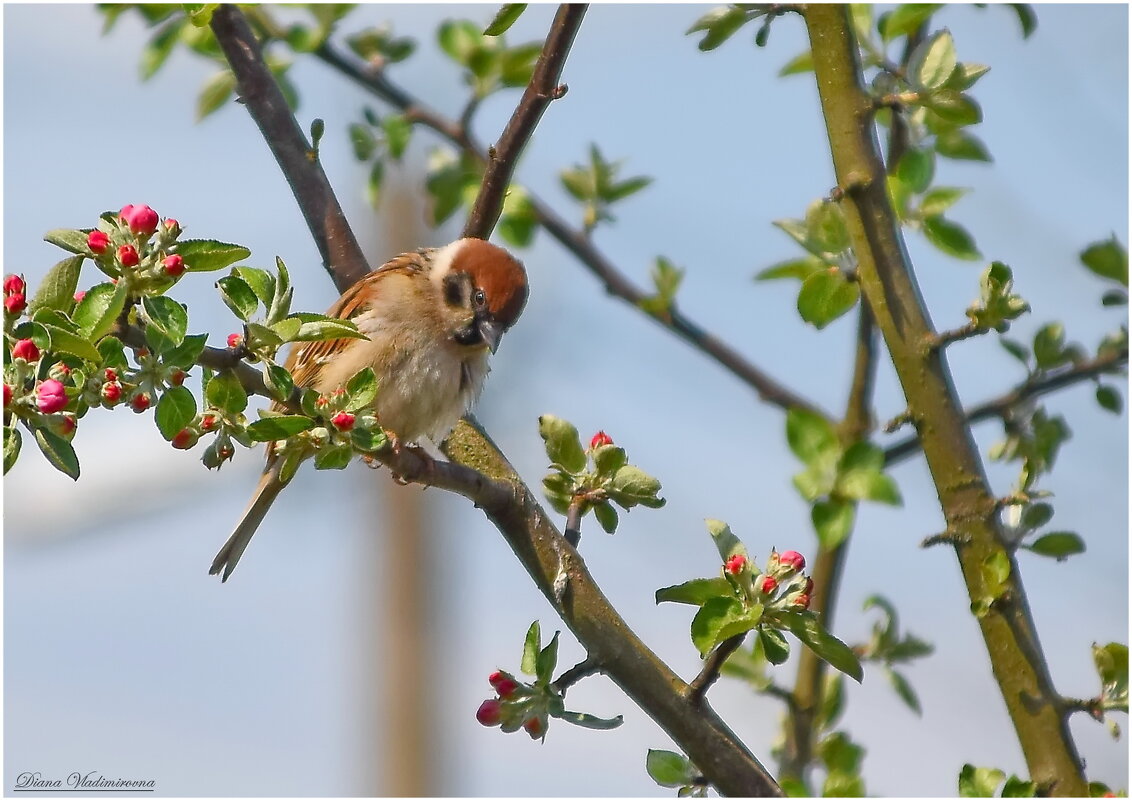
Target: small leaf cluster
[720,24]
[887,647]
[997,304]
[1021,520]
[593,479]
[453,182]
[828,289]
[596,185]
[376,140]
[1112,667]
[835,477]
[989,783]
[667,278]
[489,64]
[670,769]
[530,705]
[768,601]
[921,205]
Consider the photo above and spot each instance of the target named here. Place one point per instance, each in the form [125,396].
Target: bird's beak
[491,332]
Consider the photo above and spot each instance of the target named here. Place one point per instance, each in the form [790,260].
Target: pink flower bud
[503,684]
[794,559]
[128,255]
[490,712]
[110,375]
[599,439]
[235,340]
[174,265]
[140,402]
[768,585]
[63,424]
[141,219]
[533,727]
[208,422]
[177,377]
[111,392]
[343,421]
[802,600]
[50,396]
[80,295]
[185,439]
[735,564]
[170,223]
[7,395]
[322,401]
[15,303]
[97,241]
[14,285]
[59,371]
[25,349]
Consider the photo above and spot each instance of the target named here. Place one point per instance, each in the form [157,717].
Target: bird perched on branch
[432,318]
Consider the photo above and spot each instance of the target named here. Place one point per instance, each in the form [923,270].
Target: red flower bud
[809,586]
[235,340]
[7,395]
[141,219]
[128,255]
[59,371]
[338,393]
[170,223]
[25,349]
[15,303]
[50,396]
[80,295]
[111,374]
[490,712]
[111,392]
[185,439]
[343,421]
[599,439]
[177,377]
[506,687]
[64,425]
[174,265]
[208,422]
[140,402]
[802,600]
[495,677]
[735,564]
[768,585]
[97,241]
[14,285]
[533,727]
[794,559]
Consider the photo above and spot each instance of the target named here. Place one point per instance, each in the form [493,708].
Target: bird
[432,317]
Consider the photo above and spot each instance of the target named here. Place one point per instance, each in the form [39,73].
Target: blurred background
[299,676]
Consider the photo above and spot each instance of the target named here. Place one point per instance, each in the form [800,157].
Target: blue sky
[122,655]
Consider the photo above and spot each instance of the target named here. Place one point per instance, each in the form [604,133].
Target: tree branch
[481,473]
[709,674]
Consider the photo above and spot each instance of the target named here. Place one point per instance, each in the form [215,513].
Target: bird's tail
[265,494]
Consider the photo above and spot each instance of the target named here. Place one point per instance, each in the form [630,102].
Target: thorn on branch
[954,538]
[898,422]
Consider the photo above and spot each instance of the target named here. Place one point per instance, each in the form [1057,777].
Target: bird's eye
[479,298]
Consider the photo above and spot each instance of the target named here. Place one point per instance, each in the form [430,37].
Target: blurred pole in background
[400,745]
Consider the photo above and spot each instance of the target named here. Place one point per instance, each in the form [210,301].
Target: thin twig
[573,531]
[945,338]
[587,667]
[541,90]
[1029,389]
[709,674]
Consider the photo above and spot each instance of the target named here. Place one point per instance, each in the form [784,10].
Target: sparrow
[432,318]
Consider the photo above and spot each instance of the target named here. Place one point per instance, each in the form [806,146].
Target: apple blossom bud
[208,422]
[802,600]
[768,585]
[59,371]
[503,684]
[735,564]
[80,295]
[141,219]
[235,340]
[185,439]
[322,401]
[140,402]
[97,241]
[173,226]
[177,377]
[794,559]
[533,727]
[63,424]
[14,285]
[7,395]
[599,439]
[25,349]
[128,255]
[15,303]
[343,421]
[174,265]
[490,712]
[809,586]
[110,374]
[111,392]
[50,396]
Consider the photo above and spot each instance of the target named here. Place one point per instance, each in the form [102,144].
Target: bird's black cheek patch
[454,289]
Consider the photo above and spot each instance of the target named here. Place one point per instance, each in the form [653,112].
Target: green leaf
[916,169]
[720,24]
[504,18]
[517,64]
[99,309]
[951,238]
[939,199]
[113,353]
[1058,544]
[1108,259]
[368,440]
[238,296]
[531,645]
[1110,398]
[175,411]
[12,442]
[606,516]
[459,39]
[718,619]
[933,61]
[696,592]
[57,290]
[792,268]
[979,782]
[904,691]
[1112,666]
[833,521]
[361,390]
[333,458]
[1114,297]
[363,141]
[906,18]
[623,189]
[398,131]
[775,647]
[224,391]
[185,355]
[825,296]
[726,542]
[279,381]
[811,437]
[1049,346]
[166,316]
[215,93]
[841,755]
[1018,788]
[68,239]
[1036,515]
[803,62]
[63,341]
[546,661]
[958,144]
[563,445]
[58,451]
[954,108]
[631,486]
[825,227]
[1016,349]
[608,459]
[833,701]
[806,628]
[995,571]
[207,255]
[590,721]
[158,48]
[261,282]
[1026,18]
[669,769]
[269,429]
[328,328]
